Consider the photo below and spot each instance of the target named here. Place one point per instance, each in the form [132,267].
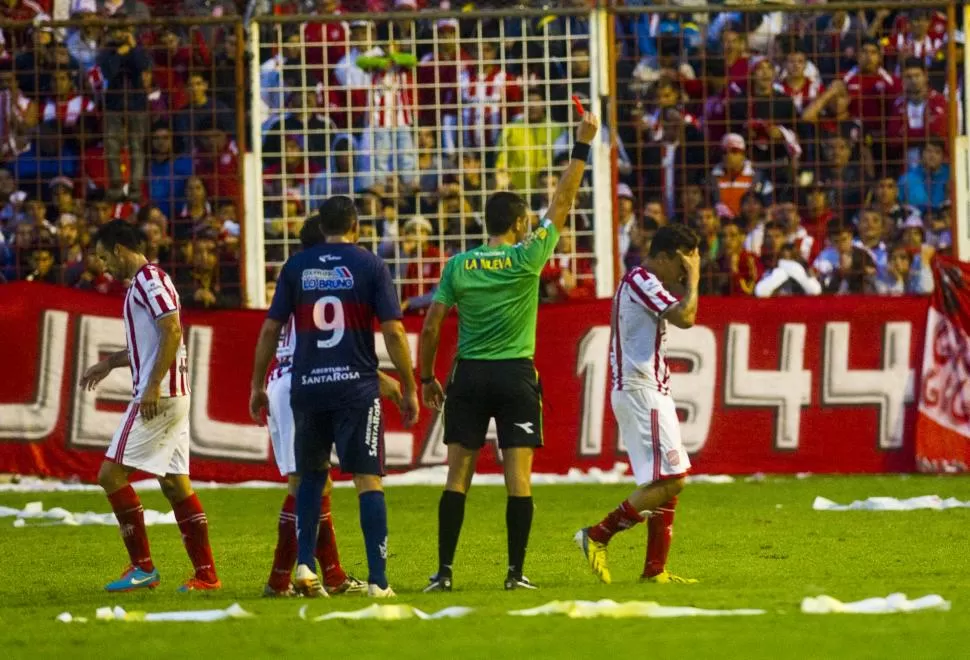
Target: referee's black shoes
[513,582]
[439,583]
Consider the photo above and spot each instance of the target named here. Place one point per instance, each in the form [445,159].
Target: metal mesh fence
[102,120]
[809,138]
[421,120]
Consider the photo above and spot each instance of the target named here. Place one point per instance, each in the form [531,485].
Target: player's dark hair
[502,210]
[312,232]
[119,232]
[671,239]
[337,215]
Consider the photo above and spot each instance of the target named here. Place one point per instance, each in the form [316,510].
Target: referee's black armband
[580,152]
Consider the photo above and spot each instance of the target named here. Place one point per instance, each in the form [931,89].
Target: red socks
[623,517]
[327,554]
[195,536]
[131,520]
[285,556]
[660,530]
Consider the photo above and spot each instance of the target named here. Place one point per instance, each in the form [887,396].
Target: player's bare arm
[390,389]
[431,391]
[684,313]
[396,340]
[572,177]
[169,341]
[98,372]
[269,336]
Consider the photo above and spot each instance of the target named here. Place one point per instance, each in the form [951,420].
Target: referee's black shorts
[508,390]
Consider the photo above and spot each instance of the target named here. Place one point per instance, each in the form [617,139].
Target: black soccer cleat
[438,582]
[513,582]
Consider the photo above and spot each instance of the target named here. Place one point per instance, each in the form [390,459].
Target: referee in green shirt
[496,290]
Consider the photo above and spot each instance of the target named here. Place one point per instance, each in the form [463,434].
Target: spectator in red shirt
[492,96]
[217,163]
[830,113]
[916,37]
[325,42]
[794,82]
[736,59]
[871,88]
[17,38]
[567,276]
[818,213]
[419,264]
[918,114]
[441,76]
[735,271]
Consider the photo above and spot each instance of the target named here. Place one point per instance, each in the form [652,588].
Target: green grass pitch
[751,545]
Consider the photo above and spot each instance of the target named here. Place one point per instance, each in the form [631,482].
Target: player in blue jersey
[335,291]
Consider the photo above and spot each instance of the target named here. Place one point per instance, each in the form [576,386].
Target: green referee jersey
[496,290]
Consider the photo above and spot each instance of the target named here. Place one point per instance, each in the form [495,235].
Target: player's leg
[127,508]
[466,416]
[139,445]
[518,418]
[335,579]
[359,437]
[281,433]
[451,512]
[633,417]
[193,525]
[674,464]
[313,441]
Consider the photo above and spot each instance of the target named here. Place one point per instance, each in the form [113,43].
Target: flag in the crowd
[943,424]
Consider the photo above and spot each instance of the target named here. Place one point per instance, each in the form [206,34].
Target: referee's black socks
[451,515]
[518,519]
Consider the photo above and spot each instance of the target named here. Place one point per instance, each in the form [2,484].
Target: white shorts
[159,446]
[651,433]
[280,422]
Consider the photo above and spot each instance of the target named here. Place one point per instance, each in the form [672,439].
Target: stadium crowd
[809,149]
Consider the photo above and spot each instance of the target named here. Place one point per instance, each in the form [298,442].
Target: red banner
[780,385]
[943,428]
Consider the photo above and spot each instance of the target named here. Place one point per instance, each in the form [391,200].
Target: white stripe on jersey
[638,352]
[150,297]
[284,350]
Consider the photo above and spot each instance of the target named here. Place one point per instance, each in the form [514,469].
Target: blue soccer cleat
[134,578]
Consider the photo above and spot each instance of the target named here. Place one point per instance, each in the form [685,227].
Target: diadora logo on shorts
[525,426]
[317,279]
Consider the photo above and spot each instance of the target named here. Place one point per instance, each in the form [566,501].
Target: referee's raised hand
[587,128]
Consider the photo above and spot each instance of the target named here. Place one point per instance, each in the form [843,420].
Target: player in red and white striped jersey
[644,410]
[154,434]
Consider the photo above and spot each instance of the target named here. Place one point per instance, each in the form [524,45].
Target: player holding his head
[154,434]
[334,291]
[496,290]
[644,410]
[279,416]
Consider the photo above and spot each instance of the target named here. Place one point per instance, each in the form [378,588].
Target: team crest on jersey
[673,457]
[319,279]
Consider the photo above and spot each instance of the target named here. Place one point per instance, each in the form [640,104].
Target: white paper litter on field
[892,604]
[390,613]
[116,613]
[934,502]
[587,609]
[38,517]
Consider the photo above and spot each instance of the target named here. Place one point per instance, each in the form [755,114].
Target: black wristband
[427,381]
[580,151]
